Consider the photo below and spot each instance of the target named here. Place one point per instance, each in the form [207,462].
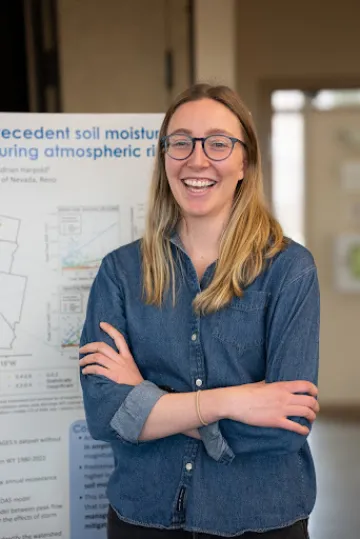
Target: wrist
[232,401]
[214,404]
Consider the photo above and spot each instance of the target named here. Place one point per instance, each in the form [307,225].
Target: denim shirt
[237,478]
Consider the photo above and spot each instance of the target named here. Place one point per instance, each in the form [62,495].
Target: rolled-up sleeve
[113,411]
[215,444]
[129,419]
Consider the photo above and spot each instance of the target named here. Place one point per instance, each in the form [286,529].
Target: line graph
[71,331]
[86,235]
[73,301]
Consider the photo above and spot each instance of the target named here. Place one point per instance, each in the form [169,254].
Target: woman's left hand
[102,360]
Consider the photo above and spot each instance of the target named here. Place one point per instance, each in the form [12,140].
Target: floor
[336,450]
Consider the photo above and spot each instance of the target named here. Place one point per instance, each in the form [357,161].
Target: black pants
[118,529]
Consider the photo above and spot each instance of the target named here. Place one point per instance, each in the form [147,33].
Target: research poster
[72,189]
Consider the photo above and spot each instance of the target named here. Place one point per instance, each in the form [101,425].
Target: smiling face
[203,187]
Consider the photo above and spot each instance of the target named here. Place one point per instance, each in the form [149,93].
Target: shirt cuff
[130,418]
[215,444]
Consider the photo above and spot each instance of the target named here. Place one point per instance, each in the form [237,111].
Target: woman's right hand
[271,404]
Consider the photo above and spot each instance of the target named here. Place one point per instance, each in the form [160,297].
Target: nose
[198,158]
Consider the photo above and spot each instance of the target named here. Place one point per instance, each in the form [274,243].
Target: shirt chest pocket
[242,322]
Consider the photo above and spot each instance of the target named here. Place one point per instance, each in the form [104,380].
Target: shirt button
[198,382]
[188,466]
[193,337]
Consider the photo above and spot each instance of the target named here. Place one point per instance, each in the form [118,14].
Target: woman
[200,346]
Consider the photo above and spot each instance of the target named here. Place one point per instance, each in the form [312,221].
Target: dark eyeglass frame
[234,140]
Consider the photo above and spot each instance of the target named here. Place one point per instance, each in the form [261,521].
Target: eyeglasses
[215,147]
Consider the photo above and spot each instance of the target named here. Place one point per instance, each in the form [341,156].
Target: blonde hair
[252,234]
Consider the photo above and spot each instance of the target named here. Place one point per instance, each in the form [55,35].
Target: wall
[112,53]
[215,41]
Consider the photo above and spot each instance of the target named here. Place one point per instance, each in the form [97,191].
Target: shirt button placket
[194,338]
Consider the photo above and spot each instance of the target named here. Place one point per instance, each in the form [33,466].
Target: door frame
[304,84]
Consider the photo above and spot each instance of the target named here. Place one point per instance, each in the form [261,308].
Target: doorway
[14,88]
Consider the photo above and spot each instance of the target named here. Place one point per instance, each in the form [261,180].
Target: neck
[201,236]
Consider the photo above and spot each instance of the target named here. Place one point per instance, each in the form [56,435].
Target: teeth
[199,183]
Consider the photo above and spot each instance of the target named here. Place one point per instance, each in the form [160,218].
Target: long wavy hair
[251,237]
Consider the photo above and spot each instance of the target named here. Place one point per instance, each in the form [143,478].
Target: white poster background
[72,188]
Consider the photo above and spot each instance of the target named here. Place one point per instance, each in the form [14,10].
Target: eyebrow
[213,131]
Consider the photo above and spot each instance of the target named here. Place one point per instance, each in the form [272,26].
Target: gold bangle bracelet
[198,409]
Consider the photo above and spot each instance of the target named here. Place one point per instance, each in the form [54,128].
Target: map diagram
[12,286]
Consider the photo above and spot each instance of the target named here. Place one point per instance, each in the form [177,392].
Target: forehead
[202,116]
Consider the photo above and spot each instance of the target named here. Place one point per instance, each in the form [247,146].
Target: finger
[91,347]
[117,337]
[301,386]
[99,359]
[100,347]
[301,411]
[100,371]
[292,426]
[305,400]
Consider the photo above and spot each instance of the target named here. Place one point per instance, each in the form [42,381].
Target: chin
[197,212]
